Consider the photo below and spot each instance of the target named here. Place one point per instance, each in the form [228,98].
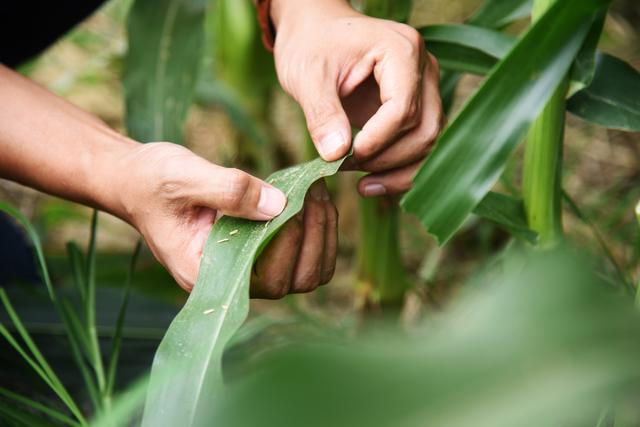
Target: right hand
[173,197]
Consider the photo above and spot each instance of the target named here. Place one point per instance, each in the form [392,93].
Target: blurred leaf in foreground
[545,344]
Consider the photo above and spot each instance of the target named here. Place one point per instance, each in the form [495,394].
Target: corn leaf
[508,213]
[499,13]
[191,351]
[465,48]
[612,99]
[538,341]
[472,151]
[165,48]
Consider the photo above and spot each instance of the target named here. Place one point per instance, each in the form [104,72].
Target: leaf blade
[612,99]
[192,347]
[473,149]
[166,39]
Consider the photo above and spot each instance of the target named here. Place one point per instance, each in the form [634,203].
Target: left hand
[345,69]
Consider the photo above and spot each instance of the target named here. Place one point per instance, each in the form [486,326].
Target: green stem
[542,170]
[638,285]
[380,269]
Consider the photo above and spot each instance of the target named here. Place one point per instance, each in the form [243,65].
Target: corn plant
[454,182]
[381,275]
[585,340]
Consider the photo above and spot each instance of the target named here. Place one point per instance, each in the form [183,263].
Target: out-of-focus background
[602,174]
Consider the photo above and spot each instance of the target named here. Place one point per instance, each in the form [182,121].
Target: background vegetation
[242,118]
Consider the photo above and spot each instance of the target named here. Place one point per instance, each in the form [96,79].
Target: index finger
[398,71]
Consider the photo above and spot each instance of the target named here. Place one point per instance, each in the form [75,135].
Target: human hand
[172,197]
[346,69]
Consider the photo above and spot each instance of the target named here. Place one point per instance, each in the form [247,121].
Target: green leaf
[30,403]
[507,212]
[584,66]
[538,341]
[472,151]
[395,10]
[191,351]
[499,13]
[612,99]
[466,48]
[36,360]
[166,40]
[117,336]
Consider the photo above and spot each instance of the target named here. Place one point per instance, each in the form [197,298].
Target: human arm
[170,195]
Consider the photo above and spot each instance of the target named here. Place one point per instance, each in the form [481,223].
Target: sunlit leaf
[465,48]
[472,151]
[499,13]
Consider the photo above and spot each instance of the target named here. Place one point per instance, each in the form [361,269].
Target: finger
[307,275]
[416,144]
[330,244]
[398,71]
[395,181]
[326,120]
[234,192]
[273,271]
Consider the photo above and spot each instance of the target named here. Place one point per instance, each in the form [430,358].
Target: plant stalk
[542,170]
[381,273]
[380,270]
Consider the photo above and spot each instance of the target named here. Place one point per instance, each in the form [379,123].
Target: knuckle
[431,132]
[307,282]
[238,184]
[277,289]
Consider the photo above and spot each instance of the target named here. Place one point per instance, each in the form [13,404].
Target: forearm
[49,144]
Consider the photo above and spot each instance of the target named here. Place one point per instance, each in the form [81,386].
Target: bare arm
[170,195]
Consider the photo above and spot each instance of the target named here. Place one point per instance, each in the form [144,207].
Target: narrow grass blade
[472,151]
[37,245]
[499,13]
[77,262]
[38,362]
[465,48]
[165,40]
[80,350]
[117,336]
[192,348]
[573,206]
[90,308]
[37,406]
[19,417]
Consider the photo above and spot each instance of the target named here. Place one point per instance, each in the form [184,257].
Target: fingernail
[271,202]
[371,190]
[332,144]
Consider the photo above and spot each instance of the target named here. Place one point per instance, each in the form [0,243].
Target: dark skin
[302,256]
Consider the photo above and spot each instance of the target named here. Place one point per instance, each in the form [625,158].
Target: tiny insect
[209,311]
[225,307]
[222,240]
[232,232]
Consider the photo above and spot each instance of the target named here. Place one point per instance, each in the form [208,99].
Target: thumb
[236,193]
[327,121]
